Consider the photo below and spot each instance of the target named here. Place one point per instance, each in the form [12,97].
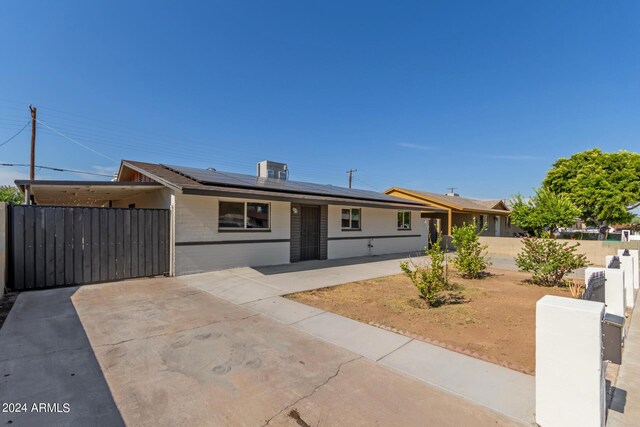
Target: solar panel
[230,179]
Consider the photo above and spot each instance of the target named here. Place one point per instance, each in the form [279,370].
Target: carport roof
[85,193]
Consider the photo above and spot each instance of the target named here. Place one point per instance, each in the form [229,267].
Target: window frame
[350,228]
[403,218]
[244,228]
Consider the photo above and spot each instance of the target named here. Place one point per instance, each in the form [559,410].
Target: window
[404,220]
[243,215]
[257,215]
[507,221]
[351,219]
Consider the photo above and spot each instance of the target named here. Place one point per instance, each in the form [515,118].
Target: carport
[81,232]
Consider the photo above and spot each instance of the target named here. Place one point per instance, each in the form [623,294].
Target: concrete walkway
[625,404]
[500,389]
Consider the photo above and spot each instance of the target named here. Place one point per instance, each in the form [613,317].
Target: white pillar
[636,266]
[615,294]
[626,264]
[570,385]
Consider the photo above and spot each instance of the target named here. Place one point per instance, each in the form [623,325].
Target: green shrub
[549,260]
[470,259]
[430,278]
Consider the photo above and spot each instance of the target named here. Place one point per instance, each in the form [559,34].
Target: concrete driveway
[173,354]
[45,357]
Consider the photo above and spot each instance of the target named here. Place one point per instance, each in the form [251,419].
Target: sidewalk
[625,404]
[500,389]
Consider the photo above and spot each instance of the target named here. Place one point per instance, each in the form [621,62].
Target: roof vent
[274,170]
[452,194]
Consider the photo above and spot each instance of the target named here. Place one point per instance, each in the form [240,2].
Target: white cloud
[415,146]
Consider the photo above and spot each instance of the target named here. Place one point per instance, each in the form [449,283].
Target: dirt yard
[498,322]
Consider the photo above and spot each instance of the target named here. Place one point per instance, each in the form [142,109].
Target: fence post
[570,384]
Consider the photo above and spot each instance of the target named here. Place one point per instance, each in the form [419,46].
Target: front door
[496,220]
[310,232]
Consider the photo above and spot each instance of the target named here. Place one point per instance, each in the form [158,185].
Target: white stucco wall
[196,220]
[378,223]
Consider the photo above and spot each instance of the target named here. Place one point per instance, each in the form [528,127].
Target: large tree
[545,211]
[10,194]
[604,186]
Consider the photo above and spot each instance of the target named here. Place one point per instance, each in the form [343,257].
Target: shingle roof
[491,204]
[455,202]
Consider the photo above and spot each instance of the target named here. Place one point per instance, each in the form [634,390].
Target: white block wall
[197,221]
[570,386]
[374,222]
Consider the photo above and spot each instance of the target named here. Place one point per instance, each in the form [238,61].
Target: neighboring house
[458,210]
[221,220]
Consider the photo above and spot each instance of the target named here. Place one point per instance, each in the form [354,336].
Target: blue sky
[482,96]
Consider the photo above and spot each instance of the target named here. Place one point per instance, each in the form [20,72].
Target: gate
[51,246]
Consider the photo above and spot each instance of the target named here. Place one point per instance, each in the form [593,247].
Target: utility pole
[32,164]
[350,172]
[32,173]
[452,189]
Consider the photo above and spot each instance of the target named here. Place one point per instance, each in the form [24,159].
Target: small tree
[10,194]
[471,259]
[549,260]
[545,211]
[430,279]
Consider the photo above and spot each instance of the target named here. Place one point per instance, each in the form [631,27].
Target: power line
[19,132]
[56,169]
[367,184]
[74,141]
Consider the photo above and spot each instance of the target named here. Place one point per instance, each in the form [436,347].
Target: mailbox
[612,326]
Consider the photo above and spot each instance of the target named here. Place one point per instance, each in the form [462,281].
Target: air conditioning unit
[273,170]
